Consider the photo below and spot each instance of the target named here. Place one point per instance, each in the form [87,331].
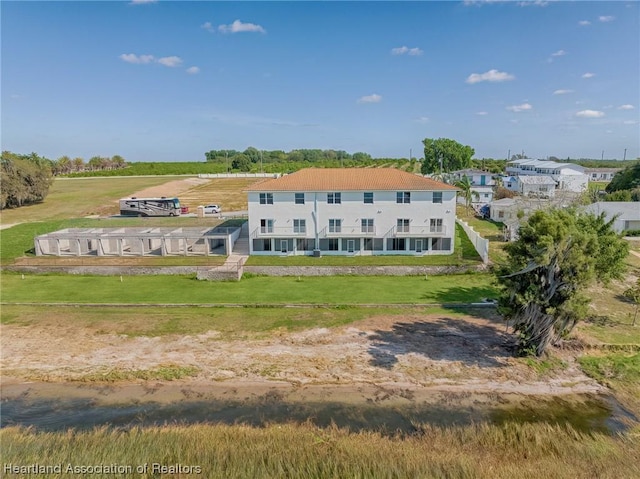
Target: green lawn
[231,323]
[71,198]
[253,290]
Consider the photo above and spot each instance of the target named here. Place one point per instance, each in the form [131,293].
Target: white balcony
[424,231]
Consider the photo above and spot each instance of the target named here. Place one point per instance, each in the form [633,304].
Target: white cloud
[525,3]
[584,23]
[606,18]
[519,108]
[590,114]
[208,27]
[133,58]
[490,76]
[559,53]
[534,3]
[482,113]
[170,61]
[626,107]
[374,98]
[562,92]
[238,27]
[422,119]
[142,2]
[404,50]
[193,70]
[629,122]
[588,75]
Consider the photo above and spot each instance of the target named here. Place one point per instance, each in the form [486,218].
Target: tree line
[65,165]
[24,179]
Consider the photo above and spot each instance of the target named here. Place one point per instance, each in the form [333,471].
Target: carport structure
[137,242]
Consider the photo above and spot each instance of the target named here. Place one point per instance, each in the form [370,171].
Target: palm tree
[465,186]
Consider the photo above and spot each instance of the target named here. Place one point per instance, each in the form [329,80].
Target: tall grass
[479,451]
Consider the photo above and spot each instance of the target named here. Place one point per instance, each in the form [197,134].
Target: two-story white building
[482,183]
[349,211]
[568,176]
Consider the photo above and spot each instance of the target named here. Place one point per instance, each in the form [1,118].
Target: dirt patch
[433,351]
[171,188]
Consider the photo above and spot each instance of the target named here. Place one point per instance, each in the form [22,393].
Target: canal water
[55,407]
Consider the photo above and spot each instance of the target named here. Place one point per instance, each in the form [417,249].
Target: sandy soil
[435,352]
[171,188]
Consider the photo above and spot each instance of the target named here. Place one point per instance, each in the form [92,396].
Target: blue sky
[167,81]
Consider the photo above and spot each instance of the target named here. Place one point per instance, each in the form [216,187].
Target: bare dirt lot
[420,351]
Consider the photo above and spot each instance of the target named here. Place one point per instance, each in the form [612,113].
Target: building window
[367,225]
[266,244]
[299,226]
[500,214]
[436,225]
[299,199]
[334,198]
[437,196]
[333,244]
[305,244]
[368,198]
[403,225]
[335,226]
[441,244]
[266,226]
[403,197]
[266,198]
[397,244]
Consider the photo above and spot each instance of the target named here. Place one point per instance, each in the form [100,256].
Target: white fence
[479,243]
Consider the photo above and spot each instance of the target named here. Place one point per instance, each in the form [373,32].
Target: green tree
[444,155]
[626,179]
[465,191]
[558,254]
[241,162]
[633,295]
[24,179]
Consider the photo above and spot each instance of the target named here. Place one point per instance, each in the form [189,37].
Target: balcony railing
[353,230]
[418,231]
[279,231]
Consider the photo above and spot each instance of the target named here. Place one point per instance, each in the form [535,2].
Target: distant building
[567,176]
[533,186]
[482,183]
[627,213]
[503,210]
[601,174]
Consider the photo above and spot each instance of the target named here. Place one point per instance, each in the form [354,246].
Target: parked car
[212,209]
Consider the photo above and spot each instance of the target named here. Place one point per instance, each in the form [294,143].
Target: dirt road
[420,351]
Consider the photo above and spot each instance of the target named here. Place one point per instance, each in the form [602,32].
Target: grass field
[72,198]
[229,193]
[230,323]
[78,197]
[529,450]
[253,290]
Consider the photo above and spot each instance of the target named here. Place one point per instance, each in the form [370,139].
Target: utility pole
[602,157]
[624,158]
[509,155]
[411,151]
[261,167]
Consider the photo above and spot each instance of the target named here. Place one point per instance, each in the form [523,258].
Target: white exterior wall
[572,182]
[384,211]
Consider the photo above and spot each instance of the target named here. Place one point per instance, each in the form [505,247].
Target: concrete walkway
[240,251]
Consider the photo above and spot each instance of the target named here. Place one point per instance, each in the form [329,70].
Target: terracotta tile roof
[351,179]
